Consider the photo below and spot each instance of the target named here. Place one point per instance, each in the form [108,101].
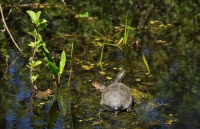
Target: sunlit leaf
[34,44]
[86,14]
[34,77]
[38,15]
[32,15]
[37,63]
[30,64]
[45,48]
[146,63]
[31,44]
[41,21]
[62,62]
[39,37]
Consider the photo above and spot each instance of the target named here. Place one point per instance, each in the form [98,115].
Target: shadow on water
[168,36]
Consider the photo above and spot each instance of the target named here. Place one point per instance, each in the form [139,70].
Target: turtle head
[120,76]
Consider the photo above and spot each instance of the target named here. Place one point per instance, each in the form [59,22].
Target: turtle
[117,96]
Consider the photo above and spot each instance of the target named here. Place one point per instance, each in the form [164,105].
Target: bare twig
[8,30]
[70,76]
[8,66]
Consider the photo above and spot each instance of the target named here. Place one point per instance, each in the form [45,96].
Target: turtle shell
[116,97]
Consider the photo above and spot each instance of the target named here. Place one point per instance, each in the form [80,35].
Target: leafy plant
[103,41]
[38,45]
[109,40]
[127,29]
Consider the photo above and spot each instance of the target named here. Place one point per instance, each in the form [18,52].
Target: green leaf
[38,15]
[62,62]
[86,14]
[31,44]
[46,53]
[31,62]
[146,63]
[34,44]
[34,33]
[38,44]
[41,43]
[41,21]
[42,24]
[45,48]
[31,33]
[32,15]
[40,38]
[28,66]
[37,63]
[53,68]
[34,77]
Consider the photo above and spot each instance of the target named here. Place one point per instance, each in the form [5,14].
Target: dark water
[168,36]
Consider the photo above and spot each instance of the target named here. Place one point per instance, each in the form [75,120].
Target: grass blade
[146,63]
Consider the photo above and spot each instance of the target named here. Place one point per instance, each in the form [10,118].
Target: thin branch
[8,66]
[70,76]
[31,71]
[8,30]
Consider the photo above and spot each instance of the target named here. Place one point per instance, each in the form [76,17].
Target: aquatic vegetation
[127,28]
[108,40]
[38,45]
[140,97]
[146,63]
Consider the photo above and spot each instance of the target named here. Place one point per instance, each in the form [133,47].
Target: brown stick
[70,75]
[8,30]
